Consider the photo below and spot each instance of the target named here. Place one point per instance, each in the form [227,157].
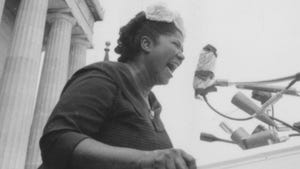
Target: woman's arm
[92,154]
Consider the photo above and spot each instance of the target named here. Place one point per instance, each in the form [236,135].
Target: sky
[255,39]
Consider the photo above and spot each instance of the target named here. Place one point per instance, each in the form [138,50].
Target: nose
[180,56]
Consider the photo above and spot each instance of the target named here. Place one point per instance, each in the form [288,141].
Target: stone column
[2,2]
[53,78]
[77,54]
[19,82]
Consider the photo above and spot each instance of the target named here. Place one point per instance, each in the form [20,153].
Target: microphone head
[210,48]
[207,137]
[204,73]
[244,103]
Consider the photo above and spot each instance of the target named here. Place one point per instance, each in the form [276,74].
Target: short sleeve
[81,110]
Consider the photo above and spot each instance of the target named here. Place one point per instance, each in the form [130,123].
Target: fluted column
[77,54]
[53,78]
[2,2]
[19,82]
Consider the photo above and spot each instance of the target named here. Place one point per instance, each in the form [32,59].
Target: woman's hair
[130,35]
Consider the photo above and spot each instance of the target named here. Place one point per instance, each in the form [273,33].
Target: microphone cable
[297,76]
[223,115]
[295,79]
[251,117]
[285,123]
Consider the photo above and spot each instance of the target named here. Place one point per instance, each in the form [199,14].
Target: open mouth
[172,66]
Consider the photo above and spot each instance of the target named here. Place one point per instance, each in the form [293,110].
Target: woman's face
[165,57]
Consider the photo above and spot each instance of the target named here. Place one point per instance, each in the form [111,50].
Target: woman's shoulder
[107,68]
[116,73]
[106,65]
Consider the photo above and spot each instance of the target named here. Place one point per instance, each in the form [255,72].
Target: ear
[146,43]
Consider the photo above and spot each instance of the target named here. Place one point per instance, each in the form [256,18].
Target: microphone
[247,105]
[204,74]
[210,138]
[259,137]
[272,89]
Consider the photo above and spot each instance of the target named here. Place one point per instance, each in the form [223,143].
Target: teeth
[171,66]
[170,71]
[174,67]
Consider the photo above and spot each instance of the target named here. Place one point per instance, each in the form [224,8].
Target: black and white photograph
[149,84]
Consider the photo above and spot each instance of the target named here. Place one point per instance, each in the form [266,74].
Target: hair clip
[161,13]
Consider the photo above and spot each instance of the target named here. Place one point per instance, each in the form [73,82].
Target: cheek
[166,54]
[162,57]
[162,61]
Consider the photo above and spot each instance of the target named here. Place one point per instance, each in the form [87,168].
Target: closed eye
[178,46]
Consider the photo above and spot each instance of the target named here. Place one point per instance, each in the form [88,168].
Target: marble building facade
[42,43]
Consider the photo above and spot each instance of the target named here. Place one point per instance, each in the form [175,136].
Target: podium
[285,158]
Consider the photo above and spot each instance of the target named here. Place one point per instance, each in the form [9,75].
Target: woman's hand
[167,159]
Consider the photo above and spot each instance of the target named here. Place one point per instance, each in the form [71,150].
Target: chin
[162,79]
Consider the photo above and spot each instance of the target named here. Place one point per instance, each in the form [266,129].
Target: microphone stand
[256,139]
[278,96]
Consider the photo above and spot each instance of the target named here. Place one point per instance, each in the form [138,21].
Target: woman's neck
[141,77]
